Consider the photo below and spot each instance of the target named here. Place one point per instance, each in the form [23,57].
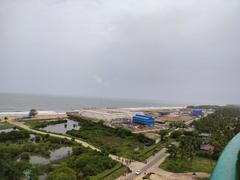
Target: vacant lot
[178,165]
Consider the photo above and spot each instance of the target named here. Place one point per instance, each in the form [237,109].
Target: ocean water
[21,102]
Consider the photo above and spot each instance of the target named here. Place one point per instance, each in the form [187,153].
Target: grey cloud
[182,51]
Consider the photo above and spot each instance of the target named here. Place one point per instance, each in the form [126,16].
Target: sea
[14,104]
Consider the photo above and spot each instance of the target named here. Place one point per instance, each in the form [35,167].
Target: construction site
[139,120]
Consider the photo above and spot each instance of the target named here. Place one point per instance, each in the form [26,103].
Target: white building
[109,116]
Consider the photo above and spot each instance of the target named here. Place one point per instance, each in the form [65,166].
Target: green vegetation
[25,156]
[204,107]
[150,151]
[13,135]
[82,164]
[62,173]
[16,147]
[88,163]
[189,145]
[33,113]
[183,157]
[117,141]
[178,165]
[5,126]
[36,124]
[163,133]
[176,134]
[111,174]
[222,125]
[177,124]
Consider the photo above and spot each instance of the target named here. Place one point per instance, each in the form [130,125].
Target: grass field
[199,164]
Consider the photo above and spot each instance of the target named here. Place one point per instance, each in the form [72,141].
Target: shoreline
[51,112]
[153,108]
[25,113]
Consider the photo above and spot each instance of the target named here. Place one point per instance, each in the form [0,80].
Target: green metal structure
[227,167]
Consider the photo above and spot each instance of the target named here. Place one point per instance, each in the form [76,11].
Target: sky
[180,51]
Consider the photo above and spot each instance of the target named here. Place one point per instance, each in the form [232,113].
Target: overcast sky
[175,50]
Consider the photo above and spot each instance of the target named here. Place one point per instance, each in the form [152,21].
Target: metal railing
[227,167]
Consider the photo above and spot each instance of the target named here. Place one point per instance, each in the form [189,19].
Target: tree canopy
[222,126]
[62,173]
[33,112]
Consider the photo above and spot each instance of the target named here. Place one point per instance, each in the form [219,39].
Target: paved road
[152,161]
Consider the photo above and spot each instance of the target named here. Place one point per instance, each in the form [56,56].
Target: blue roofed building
[143,120]
[197,112]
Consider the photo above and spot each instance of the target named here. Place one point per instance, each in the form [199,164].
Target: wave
[25,113]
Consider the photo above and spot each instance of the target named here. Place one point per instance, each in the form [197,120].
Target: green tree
[188,146]
[176,134]
[33,112]
[25,156]
[172,150]
[222,125]
[177,124]
[163,134]
[77,150]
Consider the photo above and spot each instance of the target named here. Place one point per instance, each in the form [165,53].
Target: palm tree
[163,134]
[188,146]
[172,150]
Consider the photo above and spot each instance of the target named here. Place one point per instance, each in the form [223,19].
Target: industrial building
[143,120]
[197,112]
[108,116]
